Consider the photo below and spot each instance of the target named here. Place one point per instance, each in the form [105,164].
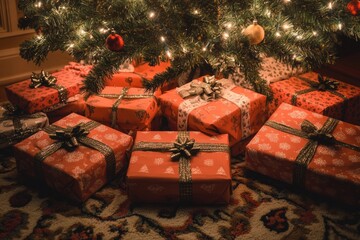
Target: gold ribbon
[71,137]
[208,90]
[119,97]
[182,150]
[45,79]
[315,136]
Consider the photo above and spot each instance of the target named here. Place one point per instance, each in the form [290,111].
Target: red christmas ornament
[353,7]
[114,42]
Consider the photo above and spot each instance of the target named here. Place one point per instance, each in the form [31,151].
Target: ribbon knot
[42,79]
[315,134]
[69,136]
[325,84]
[208,90]
[183,147]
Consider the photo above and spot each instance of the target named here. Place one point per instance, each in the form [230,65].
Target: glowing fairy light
[162,39]
[330,5]
[226,35]
[151,14]
[38,4]
[277,34]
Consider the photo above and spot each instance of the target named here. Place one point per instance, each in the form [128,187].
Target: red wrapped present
[309,150]
[315,93]
[141,72]
[16,126]
[75,156]
[186,167]
[44,90]
[228,109]
[123,108]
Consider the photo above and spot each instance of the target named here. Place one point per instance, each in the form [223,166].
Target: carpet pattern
[260,209]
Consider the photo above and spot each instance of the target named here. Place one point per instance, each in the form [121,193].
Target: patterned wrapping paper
[333,170]
[34,100]
[272,71]
[16,127]
[338,104]
[153,177]
[141,71]
[78,173]
[134,111]
[220,116]
[75,104]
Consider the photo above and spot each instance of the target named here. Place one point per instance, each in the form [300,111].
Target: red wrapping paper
[323,102]
[153,177]
[77,174]
[333,171]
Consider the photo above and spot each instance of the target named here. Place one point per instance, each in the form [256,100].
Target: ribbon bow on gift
[325,84]
[42,79]
[315,134]
[69,136]
[183,147]
[208,90]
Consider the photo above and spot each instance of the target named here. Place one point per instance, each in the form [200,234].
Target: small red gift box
[235,111]
[172,167]
[123,108]
[44,90]
[312,151]
[75,156]
[318,94]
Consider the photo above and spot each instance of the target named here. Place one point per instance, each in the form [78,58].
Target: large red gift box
[37,99]
[159,174]
[309,150]
[51,156]
[238,112]
[141,72]
[123,108]
[331,98]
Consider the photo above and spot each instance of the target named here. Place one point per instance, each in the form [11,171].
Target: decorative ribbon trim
[119,97]
[208,90]
[315,137]
[82,140]
[47,80]
[239,100]
[182,150]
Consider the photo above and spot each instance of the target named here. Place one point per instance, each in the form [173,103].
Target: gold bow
[42,79]
[183,147]
[315,134]
[69,136]
[325,84]
[208,90]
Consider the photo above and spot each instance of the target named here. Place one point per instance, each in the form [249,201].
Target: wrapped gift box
[52,156]
[307,92]
[16,126]
[271,71]
[236,111]
[158,173]
[123,108]
[30,96]
[298,147]
[135,78]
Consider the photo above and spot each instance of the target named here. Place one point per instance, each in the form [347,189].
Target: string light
[286,26]
[38,4]
[314,33]
[204,49]
[168,53]
[287,1]
[340,26]
[226,35]
[39,37]
[268,13]
[151,14]
[162,39]
[277,34]
[330,5]
[228,25]
[196,12]
[103,30]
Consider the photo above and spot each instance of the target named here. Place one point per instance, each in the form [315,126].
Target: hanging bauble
[255,33]
[353,7]
[114,42]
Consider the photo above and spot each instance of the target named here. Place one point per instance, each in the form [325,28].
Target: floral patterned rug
[260,209]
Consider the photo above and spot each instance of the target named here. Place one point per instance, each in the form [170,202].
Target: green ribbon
[70,138]
[47,80]
[315,136]
[182,150]
[119,97]
[209,89]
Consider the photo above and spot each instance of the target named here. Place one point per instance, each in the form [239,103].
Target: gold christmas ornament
[255,33]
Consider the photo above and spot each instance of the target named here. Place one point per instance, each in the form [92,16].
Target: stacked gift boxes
[185,166]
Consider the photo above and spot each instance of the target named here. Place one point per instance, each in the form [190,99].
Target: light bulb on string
[226,35]
[330,5]
[151,14]
[162,39]
[38,4]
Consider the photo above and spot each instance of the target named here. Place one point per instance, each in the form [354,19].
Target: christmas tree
[215,36]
